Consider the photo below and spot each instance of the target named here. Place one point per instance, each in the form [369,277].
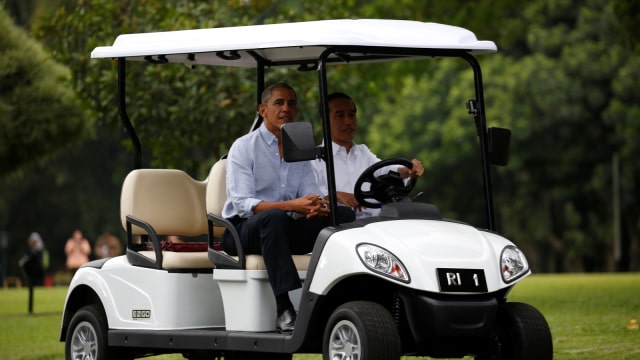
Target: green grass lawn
[590,316]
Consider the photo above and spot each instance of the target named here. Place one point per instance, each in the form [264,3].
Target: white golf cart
[405,283]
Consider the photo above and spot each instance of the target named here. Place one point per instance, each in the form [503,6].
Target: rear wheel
[361,330]
[87,337]
[523,333]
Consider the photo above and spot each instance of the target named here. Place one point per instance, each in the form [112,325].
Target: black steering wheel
[385,188]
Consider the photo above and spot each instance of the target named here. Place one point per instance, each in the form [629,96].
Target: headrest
[170,200]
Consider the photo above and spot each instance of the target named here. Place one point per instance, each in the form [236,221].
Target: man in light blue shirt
[275,206]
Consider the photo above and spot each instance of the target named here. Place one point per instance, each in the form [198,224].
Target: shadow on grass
[35,314]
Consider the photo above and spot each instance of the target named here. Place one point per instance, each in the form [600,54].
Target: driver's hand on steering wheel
[349,200]
[416,171]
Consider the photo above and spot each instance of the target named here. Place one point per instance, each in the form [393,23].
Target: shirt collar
[267,135]
[339,148]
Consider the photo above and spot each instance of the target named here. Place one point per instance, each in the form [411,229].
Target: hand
[348,200]
[310,206]
[416,171]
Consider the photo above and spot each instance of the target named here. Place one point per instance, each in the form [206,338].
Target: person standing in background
[35,261]
[34,264]
[77,250]
[107,245]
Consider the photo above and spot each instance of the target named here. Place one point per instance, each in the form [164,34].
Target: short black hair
[338,95]
[266,93]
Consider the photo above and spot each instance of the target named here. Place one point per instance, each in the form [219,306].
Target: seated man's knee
[276,216]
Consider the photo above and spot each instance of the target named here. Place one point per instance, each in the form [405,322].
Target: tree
[185,117]
[39,114]
[563,80]
[21,10]
[568,96]
[80,188]
[40,118]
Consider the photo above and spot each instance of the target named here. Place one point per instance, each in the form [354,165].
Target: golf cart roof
[291,43]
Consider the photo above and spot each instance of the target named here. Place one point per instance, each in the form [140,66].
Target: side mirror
[498,140]
[298,143]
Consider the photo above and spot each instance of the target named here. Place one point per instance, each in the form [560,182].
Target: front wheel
[361,330]
[523,333]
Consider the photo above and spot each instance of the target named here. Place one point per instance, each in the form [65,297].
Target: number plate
[462,280]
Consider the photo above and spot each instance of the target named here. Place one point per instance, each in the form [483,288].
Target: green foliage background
[564,80]
[38,114]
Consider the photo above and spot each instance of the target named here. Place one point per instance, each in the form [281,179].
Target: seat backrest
[169,200]
[215,199]
[216,193]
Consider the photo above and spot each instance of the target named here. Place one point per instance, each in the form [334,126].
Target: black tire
[361,330]
[87,337]
[523,333]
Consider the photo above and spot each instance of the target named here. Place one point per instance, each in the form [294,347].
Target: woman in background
[78,250]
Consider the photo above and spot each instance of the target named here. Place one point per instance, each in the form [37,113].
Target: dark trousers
[276,236]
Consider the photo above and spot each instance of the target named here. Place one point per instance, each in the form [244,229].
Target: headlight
[513,264]
[382,262]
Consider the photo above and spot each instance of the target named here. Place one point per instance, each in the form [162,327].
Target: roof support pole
[481,126]
[259,89]
[122,107]
[326,132]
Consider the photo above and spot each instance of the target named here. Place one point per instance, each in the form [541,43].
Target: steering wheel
[384,188]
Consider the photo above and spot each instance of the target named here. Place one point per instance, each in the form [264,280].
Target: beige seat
[216,195]
[159,202]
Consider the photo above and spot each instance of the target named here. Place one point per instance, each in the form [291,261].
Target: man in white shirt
[351,159]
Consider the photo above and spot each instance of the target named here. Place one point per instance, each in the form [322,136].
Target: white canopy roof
[289,42]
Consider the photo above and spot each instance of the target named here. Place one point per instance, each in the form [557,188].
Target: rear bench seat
[160,202]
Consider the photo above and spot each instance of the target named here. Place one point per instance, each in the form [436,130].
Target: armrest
[133,256]
[220,258]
